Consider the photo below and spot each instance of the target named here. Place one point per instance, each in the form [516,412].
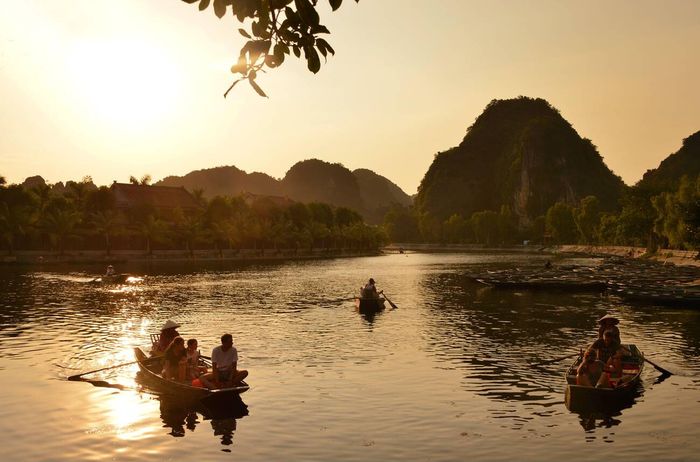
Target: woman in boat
[194,369]
[590,370]
[167,334]
[175,360]
[611,353]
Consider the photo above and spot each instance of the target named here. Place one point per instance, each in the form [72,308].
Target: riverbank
[664,256]
[243,255]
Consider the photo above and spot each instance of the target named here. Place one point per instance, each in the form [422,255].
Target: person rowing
[167,334]
[369,290]
[609,322]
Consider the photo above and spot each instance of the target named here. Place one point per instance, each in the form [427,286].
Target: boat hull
[369,304]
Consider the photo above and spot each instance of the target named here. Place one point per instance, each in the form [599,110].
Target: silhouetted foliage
[278,28]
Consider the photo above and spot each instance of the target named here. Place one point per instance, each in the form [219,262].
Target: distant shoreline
[39,258]
[662,256]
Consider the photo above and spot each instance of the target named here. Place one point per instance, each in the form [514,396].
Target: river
[447,376]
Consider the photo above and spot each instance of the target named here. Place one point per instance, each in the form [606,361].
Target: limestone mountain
[686,161]
[520,153]
[314,180]
[378,194]
[225,181]
[310,180]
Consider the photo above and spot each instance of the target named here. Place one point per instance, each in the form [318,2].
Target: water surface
[446,376]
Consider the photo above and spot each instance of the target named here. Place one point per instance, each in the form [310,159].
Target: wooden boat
[151,368]
[578,396]
[369,304]
[112,279]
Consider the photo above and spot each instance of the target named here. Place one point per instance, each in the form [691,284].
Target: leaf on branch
[312,60]
[241,66]
[203,4]
[335,4]
[220,8]
[244,33]
[257,88]
[324,47]
[307,12]
[320,30]
[296,50]
[190,1]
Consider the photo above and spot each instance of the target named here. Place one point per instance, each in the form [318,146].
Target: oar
[550,361]
[658,368]
[77,376]
[390,302]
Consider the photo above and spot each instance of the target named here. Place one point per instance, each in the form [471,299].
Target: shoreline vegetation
[38,258]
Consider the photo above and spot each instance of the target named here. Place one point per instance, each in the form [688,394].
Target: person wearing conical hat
[609,322]
[167,334]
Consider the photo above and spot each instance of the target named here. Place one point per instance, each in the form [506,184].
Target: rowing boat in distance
[151,368]
[369,304]
[622,395]
[112,279]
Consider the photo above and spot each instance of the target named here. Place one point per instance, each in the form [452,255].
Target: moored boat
[578,396]
[369,304]
[151,368]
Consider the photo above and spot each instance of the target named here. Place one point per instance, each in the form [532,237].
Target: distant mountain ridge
[520,153]
[311,180]
[685,161]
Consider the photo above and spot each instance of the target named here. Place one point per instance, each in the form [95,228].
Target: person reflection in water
[224,362]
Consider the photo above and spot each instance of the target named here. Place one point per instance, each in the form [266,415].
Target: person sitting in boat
[609,322]
[370,290]
[175,360]
[611,353]
[167,333]
[194,368]
[110,271]
[224,361]
[608,346]
[590,370]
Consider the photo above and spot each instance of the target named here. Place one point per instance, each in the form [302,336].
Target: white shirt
[224,359]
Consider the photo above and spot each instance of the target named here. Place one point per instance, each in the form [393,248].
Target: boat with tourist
[580,396]
[151,367]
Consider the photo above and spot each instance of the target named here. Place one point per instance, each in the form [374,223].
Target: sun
[125,84]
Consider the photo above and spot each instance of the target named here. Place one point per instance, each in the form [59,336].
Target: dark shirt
[605,352]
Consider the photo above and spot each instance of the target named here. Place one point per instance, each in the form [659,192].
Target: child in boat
[591,369]
[194,369]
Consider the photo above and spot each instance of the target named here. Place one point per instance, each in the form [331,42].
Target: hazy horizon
[126,88]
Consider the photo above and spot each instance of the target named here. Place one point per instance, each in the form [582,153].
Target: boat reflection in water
[602,414]
[180,415]
[222,414]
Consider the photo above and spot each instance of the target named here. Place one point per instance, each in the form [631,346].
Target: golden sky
[117,88]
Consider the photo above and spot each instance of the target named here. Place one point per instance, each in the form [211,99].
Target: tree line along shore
[137,220]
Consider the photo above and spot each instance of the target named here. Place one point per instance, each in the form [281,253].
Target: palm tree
[14,221]
[189,230]
[60,224]
[107,224]
[152,229]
